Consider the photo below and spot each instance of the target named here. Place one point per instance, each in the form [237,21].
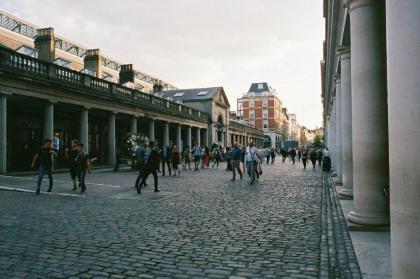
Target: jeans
[41,172]
[236,167]
[250,169]
[81,175]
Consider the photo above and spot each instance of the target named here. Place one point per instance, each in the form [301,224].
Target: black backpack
[153,160]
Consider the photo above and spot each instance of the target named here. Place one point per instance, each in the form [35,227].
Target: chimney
[126,73]
[94,61]
[45,44]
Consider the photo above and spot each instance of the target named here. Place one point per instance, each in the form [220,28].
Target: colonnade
[48,131]
[373,125]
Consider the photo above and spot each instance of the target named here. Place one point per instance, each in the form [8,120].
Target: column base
[368,219]
[345,194]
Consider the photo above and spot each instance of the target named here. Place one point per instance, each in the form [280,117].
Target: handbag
[259,169]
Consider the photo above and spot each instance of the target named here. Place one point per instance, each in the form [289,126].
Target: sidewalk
[372,248]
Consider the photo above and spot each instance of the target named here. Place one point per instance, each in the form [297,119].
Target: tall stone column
[369,112]
[333,134]
[152,129]
[347,142]
[338,129]
[3,134]
[133,128]
[84,128]
[166,133]
[198,136]
[206,137]
[48,131]
[189,136]
[178,136]
[403,46]
[111,139]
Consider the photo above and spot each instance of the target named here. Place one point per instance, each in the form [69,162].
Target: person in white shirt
[251,158]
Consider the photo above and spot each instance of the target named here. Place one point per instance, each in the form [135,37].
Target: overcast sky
[200,43]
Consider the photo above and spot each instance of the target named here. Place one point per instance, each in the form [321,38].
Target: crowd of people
[151,159]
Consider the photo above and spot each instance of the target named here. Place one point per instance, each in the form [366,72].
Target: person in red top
[175,159]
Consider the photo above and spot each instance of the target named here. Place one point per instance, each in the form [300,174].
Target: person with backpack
[293,155]
[216,157]
[151,167]
[43,161]
[83,166]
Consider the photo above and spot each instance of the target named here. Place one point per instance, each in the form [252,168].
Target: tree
[317,141]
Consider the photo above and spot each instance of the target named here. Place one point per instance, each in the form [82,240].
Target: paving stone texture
[201,225]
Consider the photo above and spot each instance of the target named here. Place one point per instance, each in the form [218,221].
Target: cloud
[195,43]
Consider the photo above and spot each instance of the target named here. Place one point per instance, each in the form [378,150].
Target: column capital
[355,4]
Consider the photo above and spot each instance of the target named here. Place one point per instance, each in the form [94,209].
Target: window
[260,86]
[251,114]
[251,104]
[265,114]
[61,62]
[179,94]
[265,104]
[265,124]
[202,93]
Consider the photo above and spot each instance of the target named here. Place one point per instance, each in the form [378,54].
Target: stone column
[152,130]
[403,46]
[189,136]
[48,131]
[206,137]
[111,139]
[134,125]
[166,133]
[333,134]
[84,128]
[369,112]
[347,142]
[338,129]
[178,136]
[3,134]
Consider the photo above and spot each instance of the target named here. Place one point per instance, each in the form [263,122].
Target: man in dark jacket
[236,155]
[151,167]
[165,154]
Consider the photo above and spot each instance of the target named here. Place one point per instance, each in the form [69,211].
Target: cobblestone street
[201,225]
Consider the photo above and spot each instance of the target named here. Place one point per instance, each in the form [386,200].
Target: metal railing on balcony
[236,125]
[26,66]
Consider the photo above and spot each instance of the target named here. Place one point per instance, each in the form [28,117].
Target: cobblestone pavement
[201,225]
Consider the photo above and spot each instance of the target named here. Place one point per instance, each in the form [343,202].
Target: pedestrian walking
[283,155]
[267,152]
[292,154]
[228,158]
[216,157]
[236,155]
[70,155]
[243,152]
[43,161]
[252,158]
[165,154]
[186,156]
[196,152]
[273,155]
[151,167]
[175,160]
[140,161]
[82,166]
[299,154]
[313,156]
[319,153]
[304,154]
